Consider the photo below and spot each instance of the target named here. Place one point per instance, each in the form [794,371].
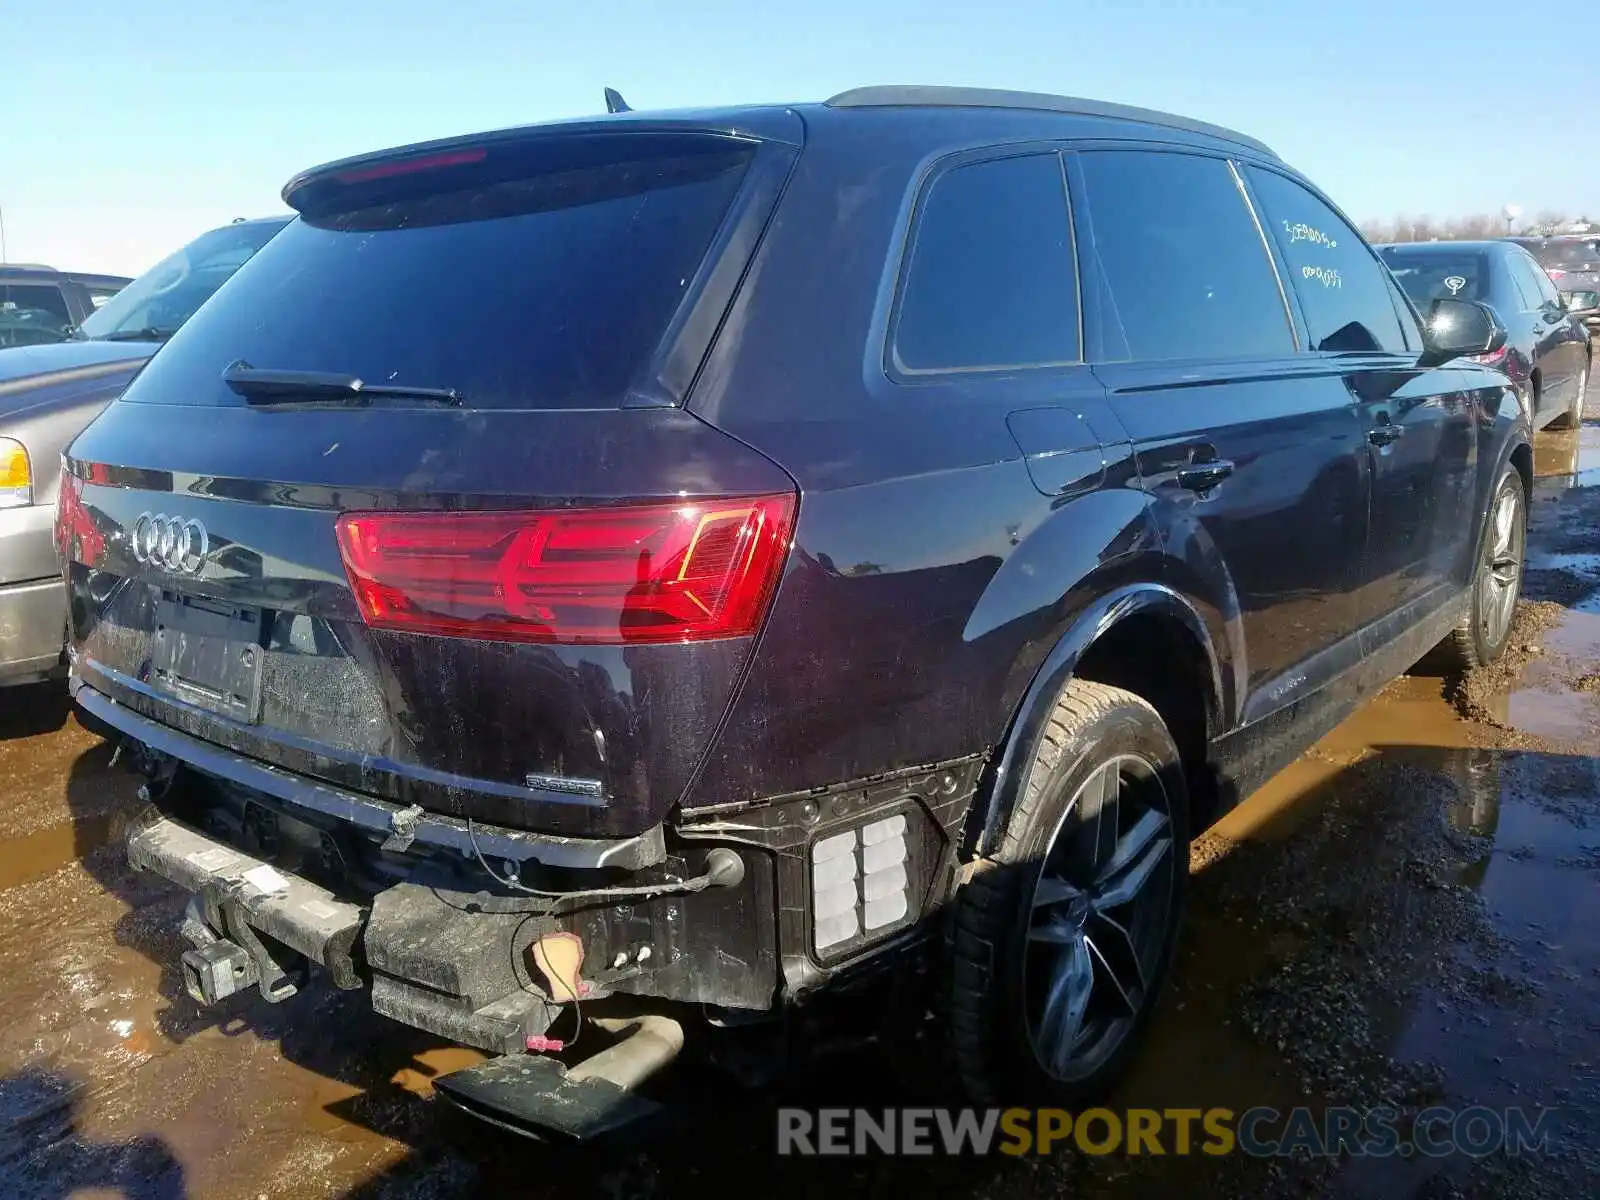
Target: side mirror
[1456,328]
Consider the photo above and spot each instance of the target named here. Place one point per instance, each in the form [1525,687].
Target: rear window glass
[540,275]
[1428,277]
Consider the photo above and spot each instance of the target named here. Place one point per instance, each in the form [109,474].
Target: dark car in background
[52,389]
[1573,263]
[40,304]
[639,572]
[1546,353]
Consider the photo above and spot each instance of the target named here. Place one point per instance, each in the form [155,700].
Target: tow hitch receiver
[541,1098]
[249,924]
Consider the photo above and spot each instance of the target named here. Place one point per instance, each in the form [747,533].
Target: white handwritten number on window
[1326,276]
[1300,232]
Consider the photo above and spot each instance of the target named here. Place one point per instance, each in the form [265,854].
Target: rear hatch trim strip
[646,849]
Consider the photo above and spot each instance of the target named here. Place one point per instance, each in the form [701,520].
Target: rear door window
[990,282]
[1180,253]
[1343,293]
[540,275]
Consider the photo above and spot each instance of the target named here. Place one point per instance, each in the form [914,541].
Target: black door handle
[1385,435]
[1202,477]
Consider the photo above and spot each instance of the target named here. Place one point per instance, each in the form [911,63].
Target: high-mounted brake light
[684,571]
[412,166]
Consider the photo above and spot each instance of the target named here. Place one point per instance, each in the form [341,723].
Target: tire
[1046,917]
[1485,627]
[1573,417]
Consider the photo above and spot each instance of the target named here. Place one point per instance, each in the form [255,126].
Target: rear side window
[1183,259]
[1343,293]
[990,281]
[539,275]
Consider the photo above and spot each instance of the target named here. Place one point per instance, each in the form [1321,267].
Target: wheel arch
[1144,637]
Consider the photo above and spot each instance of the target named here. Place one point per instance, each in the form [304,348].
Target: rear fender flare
[1022,734]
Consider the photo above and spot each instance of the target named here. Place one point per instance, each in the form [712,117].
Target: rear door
[1419,425]
[1251,449]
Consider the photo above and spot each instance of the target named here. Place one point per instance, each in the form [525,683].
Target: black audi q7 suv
[646,571]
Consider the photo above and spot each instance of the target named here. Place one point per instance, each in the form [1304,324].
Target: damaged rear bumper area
[251,925]
[484,943]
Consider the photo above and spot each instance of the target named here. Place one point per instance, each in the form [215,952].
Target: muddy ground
[1405,916]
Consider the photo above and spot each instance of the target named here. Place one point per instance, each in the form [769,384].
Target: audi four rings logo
[171,542]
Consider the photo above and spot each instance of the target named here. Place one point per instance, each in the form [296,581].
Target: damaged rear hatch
[412,509]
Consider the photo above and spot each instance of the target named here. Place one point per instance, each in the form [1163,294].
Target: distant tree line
[1466,229]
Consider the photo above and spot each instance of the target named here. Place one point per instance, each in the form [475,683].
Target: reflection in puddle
[1476,808]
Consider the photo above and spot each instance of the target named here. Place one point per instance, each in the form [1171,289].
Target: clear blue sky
[132,127]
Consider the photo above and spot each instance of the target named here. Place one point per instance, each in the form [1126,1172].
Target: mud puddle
[1570,458]
[36,854]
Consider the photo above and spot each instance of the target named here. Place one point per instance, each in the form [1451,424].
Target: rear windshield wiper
[266,386]
[150,333]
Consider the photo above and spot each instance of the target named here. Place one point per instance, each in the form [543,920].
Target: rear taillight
[1493,359]
[684,571]
[1554,273]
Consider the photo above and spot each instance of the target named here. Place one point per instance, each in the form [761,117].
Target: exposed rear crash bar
[400,824]
[247,894]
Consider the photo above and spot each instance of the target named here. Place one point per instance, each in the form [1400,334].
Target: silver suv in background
[49,392]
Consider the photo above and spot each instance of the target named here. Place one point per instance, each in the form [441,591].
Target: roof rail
[916,95]
[16,266]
